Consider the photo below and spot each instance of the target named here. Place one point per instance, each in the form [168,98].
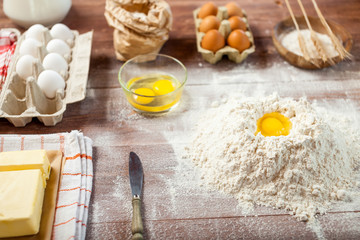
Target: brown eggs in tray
[223,31]
[48,70]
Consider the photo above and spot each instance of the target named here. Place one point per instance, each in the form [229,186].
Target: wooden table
[174,205]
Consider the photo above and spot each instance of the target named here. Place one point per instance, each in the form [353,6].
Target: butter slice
[25,160]
[21,199]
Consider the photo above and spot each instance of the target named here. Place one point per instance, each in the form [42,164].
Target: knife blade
[136,181]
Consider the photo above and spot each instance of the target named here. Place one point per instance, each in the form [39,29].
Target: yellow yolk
[145,92]
[163,87]
[273,124]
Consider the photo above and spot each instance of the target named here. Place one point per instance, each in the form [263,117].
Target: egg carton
[22,99]
[232,53]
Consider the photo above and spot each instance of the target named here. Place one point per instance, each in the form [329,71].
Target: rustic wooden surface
[172,209]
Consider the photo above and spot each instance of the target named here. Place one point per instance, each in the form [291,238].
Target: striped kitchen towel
[8,41]
[74,193]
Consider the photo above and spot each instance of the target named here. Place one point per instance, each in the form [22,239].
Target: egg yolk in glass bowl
[154,92]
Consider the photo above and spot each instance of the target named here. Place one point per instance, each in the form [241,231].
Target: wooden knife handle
[137,225]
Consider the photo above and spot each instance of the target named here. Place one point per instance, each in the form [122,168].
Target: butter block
[21,200]
[25,160]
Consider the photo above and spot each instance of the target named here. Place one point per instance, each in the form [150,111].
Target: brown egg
[234,9]
[238,40]
[213,40]
[236,22]
[208,23]
[208,9]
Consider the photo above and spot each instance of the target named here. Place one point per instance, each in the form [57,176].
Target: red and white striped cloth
[74,193]
[8,41]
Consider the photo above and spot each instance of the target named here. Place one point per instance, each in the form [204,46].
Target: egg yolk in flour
[273,124]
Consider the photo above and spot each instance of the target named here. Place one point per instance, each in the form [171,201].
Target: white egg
[37,32]
[50,82]
[31,47]
[25,66]
[54,61]
[61,31]
[60,47]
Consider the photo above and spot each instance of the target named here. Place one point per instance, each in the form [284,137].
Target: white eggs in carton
[59,46]
[51,82]
[25,66]
[31,47]
[61,31]
[56,62]
[48,70]
[37,32]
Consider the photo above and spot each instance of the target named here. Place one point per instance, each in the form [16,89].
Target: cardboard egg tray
[21,100]
[232,53]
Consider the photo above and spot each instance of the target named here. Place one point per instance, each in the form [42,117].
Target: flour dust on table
[303,172]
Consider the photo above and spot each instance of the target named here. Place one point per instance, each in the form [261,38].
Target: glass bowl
[153,83]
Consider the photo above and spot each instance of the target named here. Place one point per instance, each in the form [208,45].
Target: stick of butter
[21,200]
[24,160]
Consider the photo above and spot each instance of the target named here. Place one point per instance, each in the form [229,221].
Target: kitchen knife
[136,181]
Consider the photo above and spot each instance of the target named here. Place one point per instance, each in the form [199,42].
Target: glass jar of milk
[28,12]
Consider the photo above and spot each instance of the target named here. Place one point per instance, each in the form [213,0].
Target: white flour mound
[303,172]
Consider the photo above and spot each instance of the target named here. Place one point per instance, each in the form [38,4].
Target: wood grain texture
[194,212]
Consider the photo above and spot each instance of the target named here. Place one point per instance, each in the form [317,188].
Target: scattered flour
[304,172]
[291,42]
